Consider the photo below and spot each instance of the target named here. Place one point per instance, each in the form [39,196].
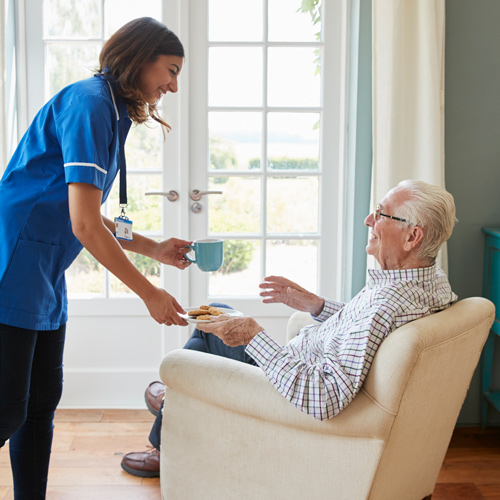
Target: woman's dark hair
[138,42]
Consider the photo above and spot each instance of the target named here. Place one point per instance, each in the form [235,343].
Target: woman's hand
[173,252]
[164,308]
[95,234]
[284,291]
[232,331]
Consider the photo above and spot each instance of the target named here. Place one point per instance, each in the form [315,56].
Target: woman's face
[159,77]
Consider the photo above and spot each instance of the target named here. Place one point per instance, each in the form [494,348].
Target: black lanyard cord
[123,179]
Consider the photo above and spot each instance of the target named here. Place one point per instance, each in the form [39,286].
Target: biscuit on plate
[196,312]
[204,317]
[214,311]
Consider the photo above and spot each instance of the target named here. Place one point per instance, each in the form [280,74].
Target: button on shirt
[323,368]
[75,137]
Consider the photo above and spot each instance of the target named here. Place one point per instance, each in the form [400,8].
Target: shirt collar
[120,107]
[381,277]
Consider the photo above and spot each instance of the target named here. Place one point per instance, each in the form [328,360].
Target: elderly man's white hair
[433,209]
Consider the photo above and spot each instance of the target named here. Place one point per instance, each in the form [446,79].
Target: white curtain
[3,118]
[408,94]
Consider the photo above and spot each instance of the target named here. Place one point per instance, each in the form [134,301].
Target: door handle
[171,195]
[196,194]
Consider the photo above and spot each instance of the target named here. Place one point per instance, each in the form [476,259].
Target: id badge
[123,228]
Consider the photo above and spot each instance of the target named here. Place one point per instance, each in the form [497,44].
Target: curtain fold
[408,94]
[3,113]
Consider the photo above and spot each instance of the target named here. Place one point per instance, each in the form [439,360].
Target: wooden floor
[86,454]
[89,444]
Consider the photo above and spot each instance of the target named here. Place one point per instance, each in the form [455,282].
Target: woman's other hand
[164,309]
[173,252]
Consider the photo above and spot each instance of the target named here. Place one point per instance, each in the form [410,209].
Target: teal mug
[209,254]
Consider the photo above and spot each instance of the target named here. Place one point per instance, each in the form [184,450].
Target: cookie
[204,317]
[214,311]
[197,312]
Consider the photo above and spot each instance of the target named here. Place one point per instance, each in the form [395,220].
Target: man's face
[387,236]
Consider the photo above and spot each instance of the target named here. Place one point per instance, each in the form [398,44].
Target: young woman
[51,196]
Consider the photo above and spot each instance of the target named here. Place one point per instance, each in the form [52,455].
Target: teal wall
[359,147]
[472,148]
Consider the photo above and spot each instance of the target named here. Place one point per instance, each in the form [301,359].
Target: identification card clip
[123,227]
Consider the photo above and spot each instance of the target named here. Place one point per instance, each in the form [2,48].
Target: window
[73,34]
[255,121]
[266,120]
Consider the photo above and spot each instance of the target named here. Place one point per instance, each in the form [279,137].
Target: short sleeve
[85,134]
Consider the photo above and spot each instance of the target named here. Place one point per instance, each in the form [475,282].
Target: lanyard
[123,179]
[123,162]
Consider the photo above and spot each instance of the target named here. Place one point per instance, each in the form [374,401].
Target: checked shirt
[323,368]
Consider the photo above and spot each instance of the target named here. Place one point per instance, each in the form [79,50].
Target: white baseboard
[106,389]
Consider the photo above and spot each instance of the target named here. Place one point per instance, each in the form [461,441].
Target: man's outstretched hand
[284,291]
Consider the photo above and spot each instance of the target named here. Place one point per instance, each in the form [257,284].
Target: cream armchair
[229,435]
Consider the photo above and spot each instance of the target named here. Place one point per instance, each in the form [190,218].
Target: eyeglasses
[377,214]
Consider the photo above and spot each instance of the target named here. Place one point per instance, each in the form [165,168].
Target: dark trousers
[31,377]
[209,343]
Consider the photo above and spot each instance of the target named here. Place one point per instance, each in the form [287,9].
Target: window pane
[85,276]
[293,141]
[235,140]
[69,62]
[144,146]
[147,266]
[119,12]
[235,20]
[297,260]
[240,271]
[286,24]
[235,76]
[72,18]
[144,211]
[292,77]
[292,204]
[237,210]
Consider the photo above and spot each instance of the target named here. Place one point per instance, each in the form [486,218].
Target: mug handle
[187,256]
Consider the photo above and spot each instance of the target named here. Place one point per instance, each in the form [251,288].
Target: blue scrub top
[76,137]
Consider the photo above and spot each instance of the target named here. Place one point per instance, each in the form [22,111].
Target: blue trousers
[31,378]
[209,343]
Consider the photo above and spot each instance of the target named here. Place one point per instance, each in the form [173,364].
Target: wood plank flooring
[471,469]
[86,454]
[89,445]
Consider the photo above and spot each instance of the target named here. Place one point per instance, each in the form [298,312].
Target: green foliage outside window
[237,255]
[285,163]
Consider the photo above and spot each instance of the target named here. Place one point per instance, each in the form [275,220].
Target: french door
[266,132]
[258,122]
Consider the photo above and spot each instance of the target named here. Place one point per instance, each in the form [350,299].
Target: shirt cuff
[330,308]
[262,348]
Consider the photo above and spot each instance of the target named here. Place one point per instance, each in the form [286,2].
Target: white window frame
[334,44]
[178,150]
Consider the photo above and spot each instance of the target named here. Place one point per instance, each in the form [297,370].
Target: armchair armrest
[245,389]
[297,321]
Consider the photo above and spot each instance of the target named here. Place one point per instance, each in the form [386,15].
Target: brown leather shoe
[142,463]
[155,392]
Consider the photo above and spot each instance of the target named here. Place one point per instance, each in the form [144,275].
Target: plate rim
[191,319]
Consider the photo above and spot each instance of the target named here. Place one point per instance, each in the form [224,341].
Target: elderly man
[322,369]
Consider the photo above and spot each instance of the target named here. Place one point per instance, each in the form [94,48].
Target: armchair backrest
[421,374]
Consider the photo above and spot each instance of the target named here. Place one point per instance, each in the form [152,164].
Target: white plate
[225,310]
